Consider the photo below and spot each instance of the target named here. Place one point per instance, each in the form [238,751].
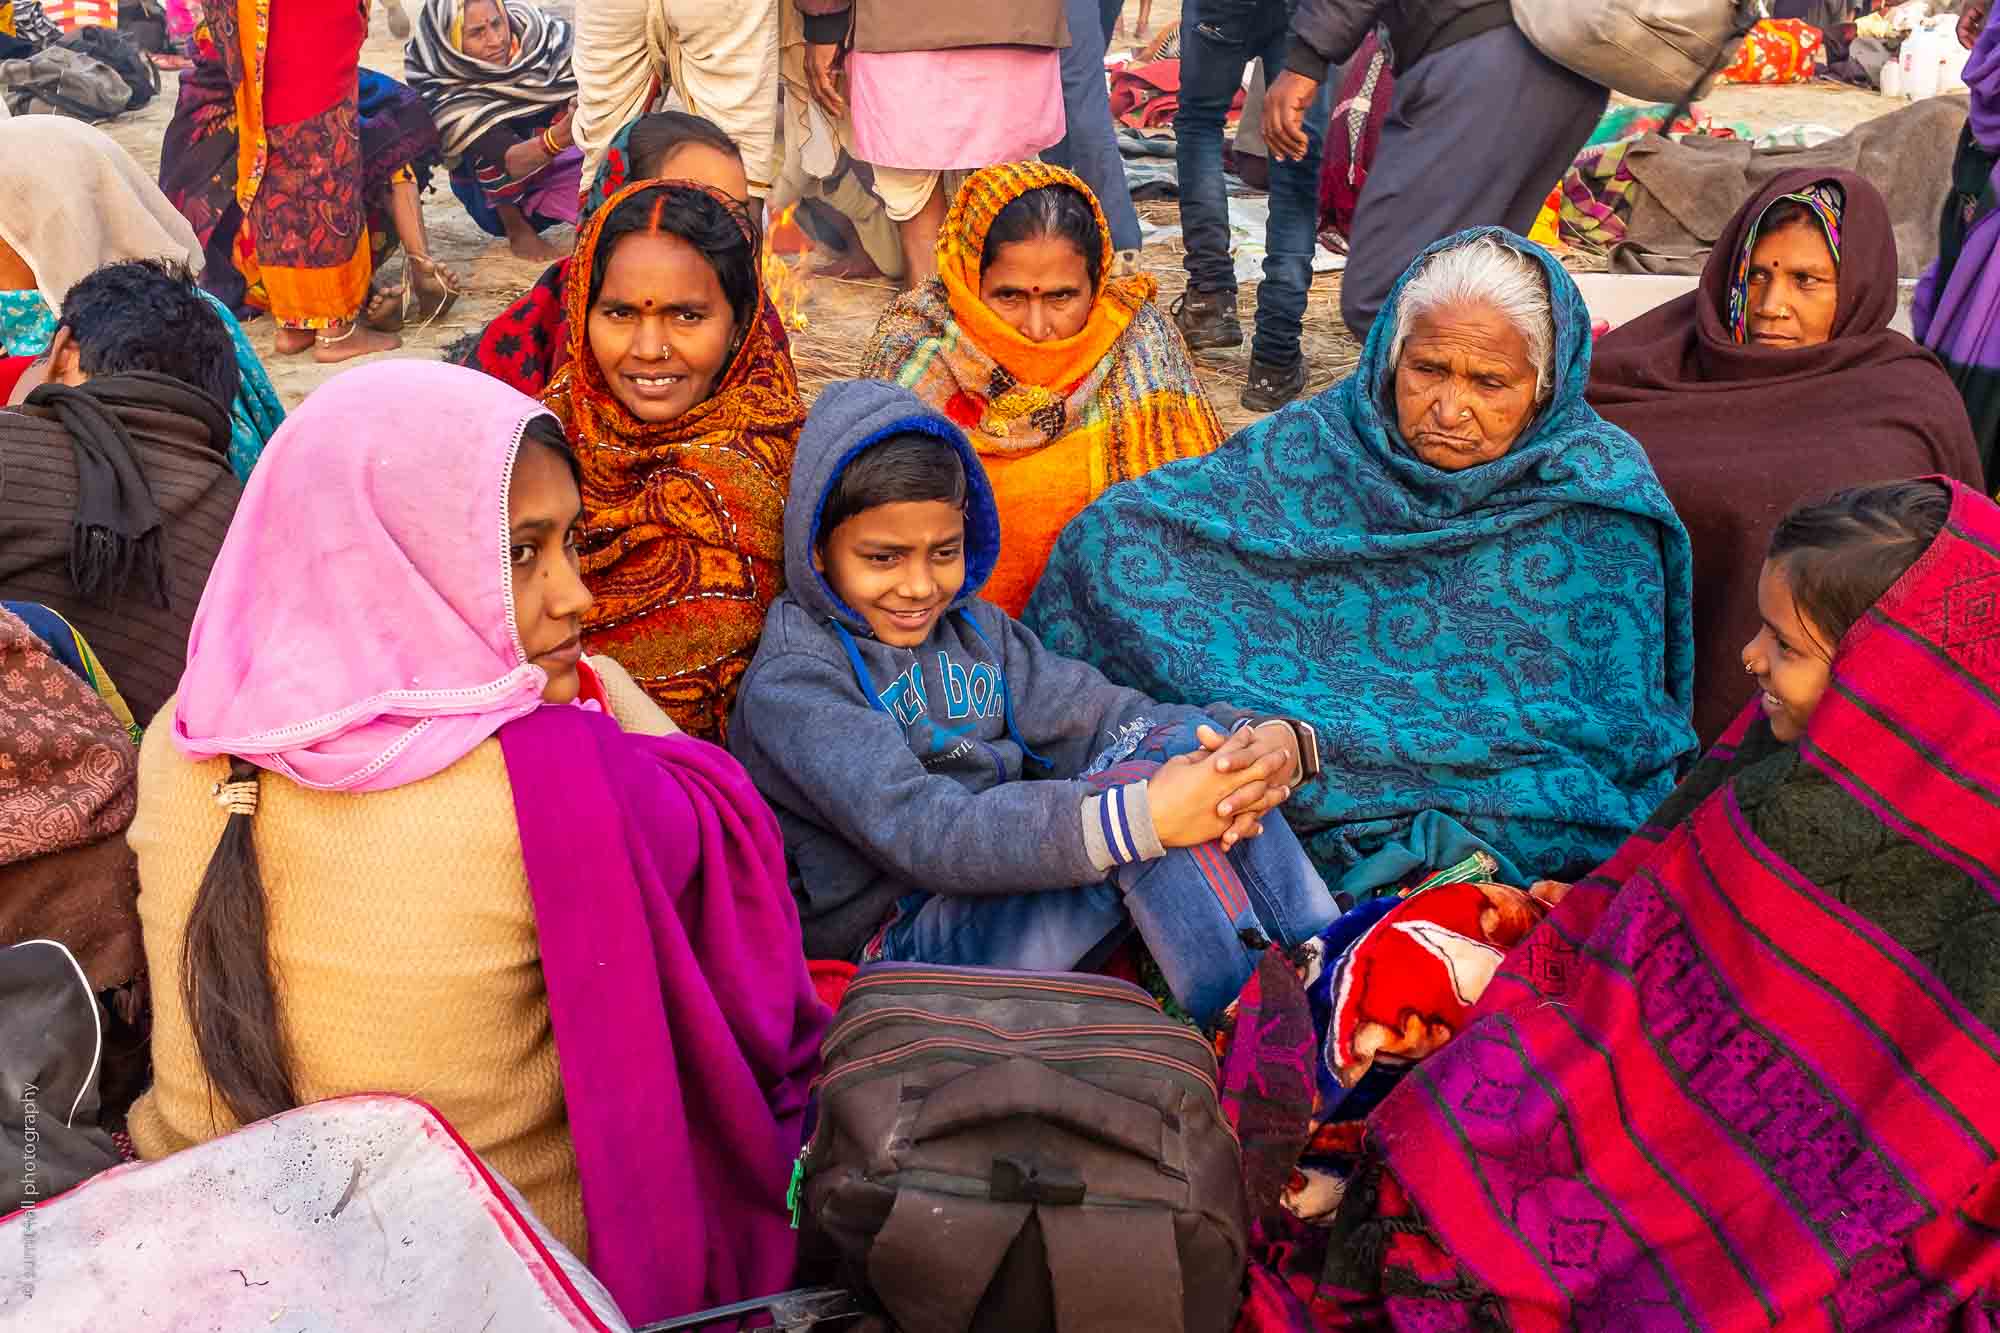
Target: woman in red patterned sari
[681,404]
[304,247]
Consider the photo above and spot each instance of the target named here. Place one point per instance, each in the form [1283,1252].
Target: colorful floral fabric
[1777,51]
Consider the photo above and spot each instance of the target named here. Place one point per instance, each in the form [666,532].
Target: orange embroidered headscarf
[683,541]
[1057,365]
[1055,422]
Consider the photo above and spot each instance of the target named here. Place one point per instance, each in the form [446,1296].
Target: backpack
[1016,1151]
[119,51]
[51,1043]
[62,81]
[1655,50]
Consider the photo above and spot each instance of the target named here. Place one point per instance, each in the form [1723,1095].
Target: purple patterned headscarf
[1827,201]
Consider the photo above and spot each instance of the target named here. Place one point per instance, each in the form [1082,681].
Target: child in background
[950,791]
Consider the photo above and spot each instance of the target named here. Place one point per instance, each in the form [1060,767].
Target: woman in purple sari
[1957,313]
[397,834]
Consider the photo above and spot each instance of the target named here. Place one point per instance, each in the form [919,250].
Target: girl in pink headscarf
[402,836]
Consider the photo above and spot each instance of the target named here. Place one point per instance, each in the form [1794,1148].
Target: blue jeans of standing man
[1203,912]
[1219,39]
[1090,145]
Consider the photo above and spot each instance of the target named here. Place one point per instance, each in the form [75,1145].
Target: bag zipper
[1105,989]
[847,1030]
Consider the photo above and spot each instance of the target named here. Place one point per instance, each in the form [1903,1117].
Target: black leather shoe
[1271,387]
[1208,319]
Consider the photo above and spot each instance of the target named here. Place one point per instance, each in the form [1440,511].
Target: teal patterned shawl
[1505,649]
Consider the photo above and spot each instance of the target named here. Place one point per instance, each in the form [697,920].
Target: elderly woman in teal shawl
[1467,580]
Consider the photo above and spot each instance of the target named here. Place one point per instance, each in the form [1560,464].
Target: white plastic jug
[1892,78]
[1931,60]
[1922,62]
[1951,72]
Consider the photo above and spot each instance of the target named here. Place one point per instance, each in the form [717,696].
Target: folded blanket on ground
[1690,189]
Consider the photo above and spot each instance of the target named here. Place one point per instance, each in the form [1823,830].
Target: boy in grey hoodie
[952,792]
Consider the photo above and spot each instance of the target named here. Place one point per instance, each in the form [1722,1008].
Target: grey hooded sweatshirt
[951,768]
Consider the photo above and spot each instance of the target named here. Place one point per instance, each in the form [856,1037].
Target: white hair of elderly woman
[1487,272]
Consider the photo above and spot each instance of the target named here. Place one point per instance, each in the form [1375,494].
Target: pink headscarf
[357,632]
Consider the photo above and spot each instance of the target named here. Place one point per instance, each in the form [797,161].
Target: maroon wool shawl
[1744,1077]
[1741,435]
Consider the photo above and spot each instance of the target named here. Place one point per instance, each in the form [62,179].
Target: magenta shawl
[686,1025]
[1745,1076]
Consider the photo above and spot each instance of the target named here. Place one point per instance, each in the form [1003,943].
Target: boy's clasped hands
[1224,790]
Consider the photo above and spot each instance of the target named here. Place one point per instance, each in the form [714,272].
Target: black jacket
[1326,32]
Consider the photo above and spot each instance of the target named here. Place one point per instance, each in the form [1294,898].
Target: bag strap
[1114,1268]
[921,1294]
[1748,13]
[1024,1087]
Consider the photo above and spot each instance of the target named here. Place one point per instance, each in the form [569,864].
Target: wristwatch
[1304,734]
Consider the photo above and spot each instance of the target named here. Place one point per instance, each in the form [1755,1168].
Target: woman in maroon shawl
[1800,389]
[1743,1077]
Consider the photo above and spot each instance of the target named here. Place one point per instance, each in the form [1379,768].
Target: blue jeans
[1219,39]
[1203,912]
[1090,147]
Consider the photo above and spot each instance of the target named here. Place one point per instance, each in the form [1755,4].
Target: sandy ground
[841,314]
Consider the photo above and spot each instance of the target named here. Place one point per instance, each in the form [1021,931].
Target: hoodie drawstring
[861,676]
[1006,691]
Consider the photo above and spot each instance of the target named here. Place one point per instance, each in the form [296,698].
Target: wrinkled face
[543,513]
[702,165]
[661,329]
[899,565]
[485,34]
[1794,288]
[15,275]
[1790,657]
[1465,387]
[1040,286]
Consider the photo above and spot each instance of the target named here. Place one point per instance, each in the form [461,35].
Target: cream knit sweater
[402,938]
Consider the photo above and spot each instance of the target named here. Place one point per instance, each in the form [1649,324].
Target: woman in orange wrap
[1065,375]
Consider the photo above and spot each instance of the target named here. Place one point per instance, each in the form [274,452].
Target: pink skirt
[974,106]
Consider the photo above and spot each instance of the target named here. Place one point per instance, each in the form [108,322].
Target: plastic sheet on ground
[363,1212]
[1249,218]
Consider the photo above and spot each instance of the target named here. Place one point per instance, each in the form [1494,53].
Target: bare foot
[855,265]
[528,245]
[293,341]
[384,311]
[356,340]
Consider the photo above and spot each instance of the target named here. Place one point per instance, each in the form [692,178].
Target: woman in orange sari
[682,407]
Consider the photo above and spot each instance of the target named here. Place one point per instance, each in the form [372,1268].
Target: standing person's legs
[1213,56]
[1453,156]
[1089,145]
[1277,362]
[916,203]
[1107,13]
[618,69]
[723,59]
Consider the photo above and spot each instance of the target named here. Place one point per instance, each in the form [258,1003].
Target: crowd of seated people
[1003,657]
